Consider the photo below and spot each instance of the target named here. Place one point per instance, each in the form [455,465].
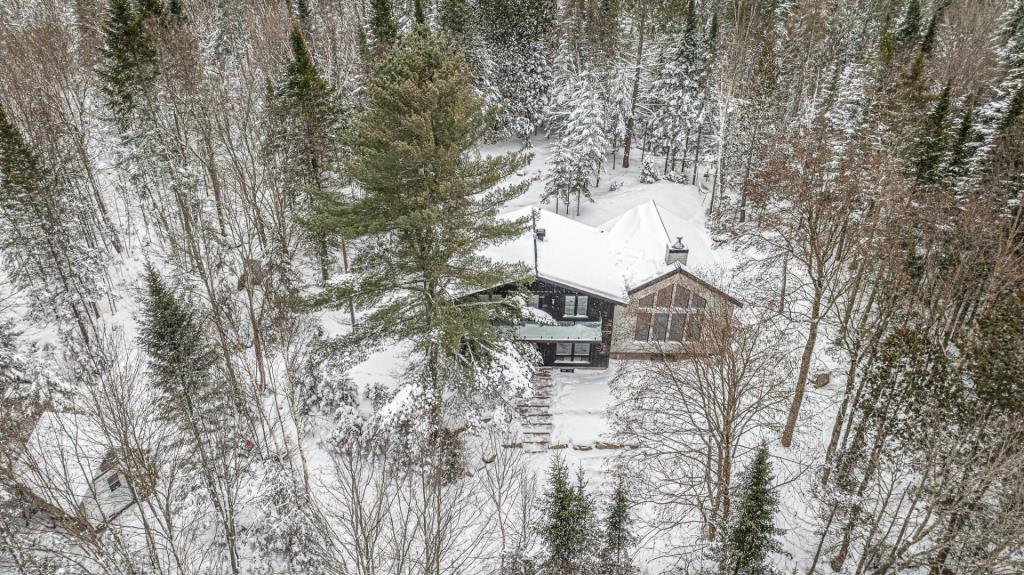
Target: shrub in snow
[648,173]
[676,178]
[614,185]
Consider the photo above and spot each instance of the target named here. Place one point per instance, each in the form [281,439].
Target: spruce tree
[931,145]
[42,236]
[130,60]
[749,539]
[428,205]
[675,93]
[568,527]
[181,359]
[618,534]
[383,27]
[516,34]
[305,124]
[910,26]
[454,17]
[963,146]
[419,16]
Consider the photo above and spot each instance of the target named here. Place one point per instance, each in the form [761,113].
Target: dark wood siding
[552,301]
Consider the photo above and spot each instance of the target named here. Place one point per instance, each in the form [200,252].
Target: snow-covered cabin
[68,471]
[591,279]
[668,304]
[578,293]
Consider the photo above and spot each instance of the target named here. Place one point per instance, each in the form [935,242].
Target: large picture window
[572,353]
[673,313]
[677,326]
[576,306]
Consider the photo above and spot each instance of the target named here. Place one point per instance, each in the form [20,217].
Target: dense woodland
[210,210]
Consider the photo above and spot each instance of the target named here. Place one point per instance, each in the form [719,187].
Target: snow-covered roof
[566,256]
[639,238]
[577,331]
[61,461]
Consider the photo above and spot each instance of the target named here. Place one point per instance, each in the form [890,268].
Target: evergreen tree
[181,359]
[419,15]
[618,534]
[130,60]
[516,35]
[910,26]
[42,236]
[302,11]
[932,143]
[211,416]
[427,208]
[383,27]
[963,146]
[749,539]
[304,142]
[454,17]
[568,526]
[675,93]
[579,154]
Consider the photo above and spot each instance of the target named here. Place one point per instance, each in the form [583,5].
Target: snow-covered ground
[580,399]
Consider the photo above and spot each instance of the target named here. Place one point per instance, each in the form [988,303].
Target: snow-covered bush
[648,173]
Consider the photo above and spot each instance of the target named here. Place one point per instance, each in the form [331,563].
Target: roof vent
[541,234]
[677,252]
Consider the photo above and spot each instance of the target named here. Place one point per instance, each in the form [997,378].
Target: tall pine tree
[427,206]
[130,59]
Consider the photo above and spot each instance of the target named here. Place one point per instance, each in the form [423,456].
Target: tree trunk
[631,122]
[805,366]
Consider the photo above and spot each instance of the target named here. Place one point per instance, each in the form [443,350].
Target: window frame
[576,355]
[114,482]
[576,298]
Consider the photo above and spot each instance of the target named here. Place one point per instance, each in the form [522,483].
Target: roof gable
[681,270]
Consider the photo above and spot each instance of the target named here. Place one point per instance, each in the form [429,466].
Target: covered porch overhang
[580,331]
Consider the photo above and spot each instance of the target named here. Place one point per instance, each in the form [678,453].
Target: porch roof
[582,331]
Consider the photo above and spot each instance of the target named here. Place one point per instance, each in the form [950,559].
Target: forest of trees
[211,210]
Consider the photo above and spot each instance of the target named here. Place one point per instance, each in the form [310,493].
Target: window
[699,302]
[643,326]
[677,329]
[572,353]
[694,328]
[665,296]
[114,481]
[682,297]
[647,300]
[535,300]
[660,330]
[576,306]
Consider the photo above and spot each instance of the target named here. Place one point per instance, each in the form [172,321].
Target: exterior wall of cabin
[551,299]
[666,316]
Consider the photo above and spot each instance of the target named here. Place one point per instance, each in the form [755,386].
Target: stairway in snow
[536,412]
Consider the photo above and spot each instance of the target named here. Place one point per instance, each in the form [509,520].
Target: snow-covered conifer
[568,528]
[749,540]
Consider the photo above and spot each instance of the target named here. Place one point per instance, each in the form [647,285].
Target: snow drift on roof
[640,237]
[572,254]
